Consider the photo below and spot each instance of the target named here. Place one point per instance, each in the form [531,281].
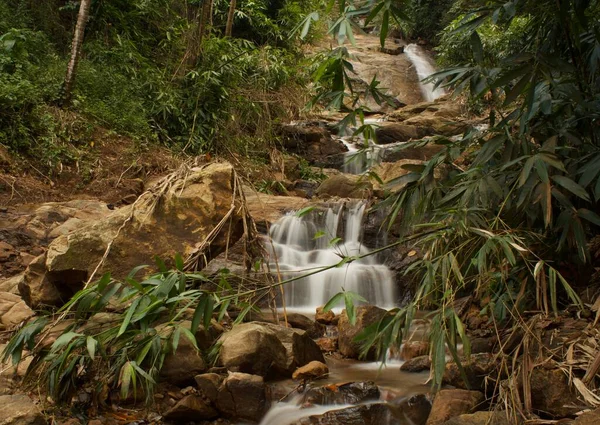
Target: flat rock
[191,408]
[19,410]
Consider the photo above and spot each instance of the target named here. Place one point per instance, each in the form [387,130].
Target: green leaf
[190,336]
[333,301]
[128,316]
[304,211]
[572,187]
[91,345]
[588,215]
[319,234]
[477,47]
[350,311]
[63,340]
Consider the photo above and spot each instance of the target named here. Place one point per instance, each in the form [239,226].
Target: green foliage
[126,353]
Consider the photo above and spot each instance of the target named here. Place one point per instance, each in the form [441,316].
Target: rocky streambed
[273,368]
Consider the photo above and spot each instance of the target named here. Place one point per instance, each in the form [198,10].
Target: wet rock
[433,124]
[392,51]
[589,418]
[412,410]
[267,209]
[477,368]
[265,349]
[412,349]
[242,396]
[310,141]
[327,318]
[191,408]
[480,418]
[370,414]
[416,364]
[310,371]
[350,393]
[397,133]
[184,215]
[551,393]
[328,345]
[451,403]
[365,316]
[19,410]
[420,153]
[345,186]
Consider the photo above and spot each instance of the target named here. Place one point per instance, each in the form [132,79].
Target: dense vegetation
[145,74]
[511,222]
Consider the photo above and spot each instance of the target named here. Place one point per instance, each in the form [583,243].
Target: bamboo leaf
[572,187]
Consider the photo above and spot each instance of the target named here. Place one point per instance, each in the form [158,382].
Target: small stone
[313,370]
[326,318]
[327,345]
[417,364]
[412,349]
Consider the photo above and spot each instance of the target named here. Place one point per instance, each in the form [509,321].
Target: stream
[299,243]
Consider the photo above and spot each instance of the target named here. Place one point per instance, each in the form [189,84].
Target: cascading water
[359,157]
[424,68]
[300,245]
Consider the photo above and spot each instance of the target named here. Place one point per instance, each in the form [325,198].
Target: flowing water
[424,67]
[321,238]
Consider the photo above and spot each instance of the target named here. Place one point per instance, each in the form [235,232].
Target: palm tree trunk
[82,18]
[229,26]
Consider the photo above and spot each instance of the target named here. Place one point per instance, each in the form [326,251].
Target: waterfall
[361,156]
[322,238]
[424,68]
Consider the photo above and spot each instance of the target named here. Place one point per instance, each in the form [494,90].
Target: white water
[424,67]
[296,251]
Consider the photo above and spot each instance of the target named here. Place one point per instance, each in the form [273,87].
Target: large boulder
[365,316]
[174,217]
[180,367]
[397,133]
[310,140]
[450,403]
[477,368]
[345,186]
[551,393]
[19,410]
[267,350]
[242,396]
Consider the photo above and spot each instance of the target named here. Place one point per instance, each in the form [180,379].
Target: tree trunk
[82,18]
[229,26]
